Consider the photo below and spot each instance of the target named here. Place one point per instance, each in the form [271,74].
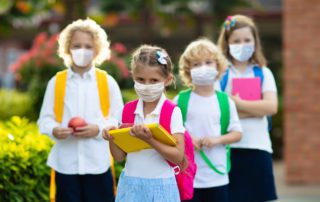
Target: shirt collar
[235,70]
[156,111]
[89,74]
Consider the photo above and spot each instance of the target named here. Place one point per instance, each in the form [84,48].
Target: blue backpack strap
[224,80]
[258,73]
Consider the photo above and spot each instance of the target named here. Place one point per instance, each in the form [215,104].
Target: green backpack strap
[224,122]
[183,102]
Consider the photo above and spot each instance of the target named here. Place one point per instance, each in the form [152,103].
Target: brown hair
[241,21]
[200,49]
[146,55]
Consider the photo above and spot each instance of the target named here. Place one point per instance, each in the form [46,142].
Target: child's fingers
[147,131]
[132,132]
[112,128]
[80,133]
[105,134]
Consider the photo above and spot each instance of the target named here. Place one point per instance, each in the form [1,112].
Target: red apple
[126,125]
[76,122]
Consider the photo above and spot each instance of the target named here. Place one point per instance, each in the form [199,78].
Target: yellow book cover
[128,143]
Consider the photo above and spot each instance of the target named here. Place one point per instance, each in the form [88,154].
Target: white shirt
[76,155]
[148,163]
[255,130]
[203,119]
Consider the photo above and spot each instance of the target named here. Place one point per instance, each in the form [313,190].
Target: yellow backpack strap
[103,89]
[113,172]
[52,186]
[59,93]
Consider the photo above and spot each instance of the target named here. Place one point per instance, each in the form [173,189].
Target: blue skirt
[136,189]
[251,176]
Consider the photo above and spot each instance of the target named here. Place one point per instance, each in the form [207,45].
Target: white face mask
[149,93]
[241,52]
[82,57]
[204,75]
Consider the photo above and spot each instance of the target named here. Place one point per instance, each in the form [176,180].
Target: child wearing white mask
[80,157]
[211,125]
[251,177]
[147,176]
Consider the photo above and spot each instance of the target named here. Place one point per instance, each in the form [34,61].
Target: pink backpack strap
[166,114]
[128,111]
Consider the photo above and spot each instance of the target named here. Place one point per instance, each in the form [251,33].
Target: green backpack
[183,102]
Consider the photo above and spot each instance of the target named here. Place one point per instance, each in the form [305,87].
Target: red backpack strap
[166,114]
[128,111]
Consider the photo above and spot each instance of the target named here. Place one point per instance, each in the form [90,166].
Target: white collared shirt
[255,130]
[203,120]
[76,155]
[148,163]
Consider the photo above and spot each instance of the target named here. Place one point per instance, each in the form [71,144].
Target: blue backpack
[257,73]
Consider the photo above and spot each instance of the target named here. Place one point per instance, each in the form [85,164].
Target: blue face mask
[241,52]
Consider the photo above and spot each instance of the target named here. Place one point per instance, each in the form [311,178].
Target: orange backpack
[59,94]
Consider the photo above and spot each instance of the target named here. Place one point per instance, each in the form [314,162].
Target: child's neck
[80,70]
[241,66]
[148,107]
[204,91]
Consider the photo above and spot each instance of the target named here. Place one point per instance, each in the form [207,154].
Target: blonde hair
[241,21]
[146,55]
[100,40]
[198,50]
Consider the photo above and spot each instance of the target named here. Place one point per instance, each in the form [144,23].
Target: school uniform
[251,176]
[147,176]
[77,161]
[203,119]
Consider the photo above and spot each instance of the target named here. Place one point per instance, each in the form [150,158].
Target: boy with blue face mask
[240,43]
[80,156]
[200,65]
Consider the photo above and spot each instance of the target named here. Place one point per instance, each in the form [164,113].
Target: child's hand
[196,143]
[209,141]
[236,98]
[142,132]
[105,133]
[89,130]
[61,133]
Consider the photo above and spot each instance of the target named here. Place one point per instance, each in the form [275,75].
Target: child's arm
[47,122]
[116,104]
[170,153]
[231,137]
[267,106]
[116,152]
[269,103]
[234,131]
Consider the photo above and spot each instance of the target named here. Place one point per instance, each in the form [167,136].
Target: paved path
[294,193]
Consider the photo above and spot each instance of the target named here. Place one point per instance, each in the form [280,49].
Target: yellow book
[128,143]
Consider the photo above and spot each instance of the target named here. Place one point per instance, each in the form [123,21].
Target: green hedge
[24,175]
[14,103]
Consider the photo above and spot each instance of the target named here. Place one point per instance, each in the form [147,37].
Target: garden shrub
[15,103]
[24,175]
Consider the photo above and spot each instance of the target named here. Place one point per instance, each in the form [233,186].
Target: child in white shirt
[81,158]
[251,178]
[147,176]
[200,65]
